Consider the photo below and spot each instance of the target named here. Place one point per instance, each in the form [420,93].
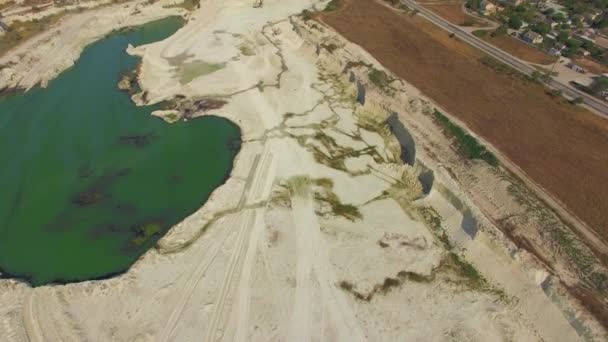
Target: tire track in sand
[190,284]
[261,184]
[229,276]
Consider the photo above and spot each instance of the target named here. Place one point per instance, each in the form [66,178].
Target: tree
[541,28]
[592,48]
[577,100]
[601,22]
[572,47]
[600,85]
[563,36]
[573,43]
[500,30]
[515,22]
[474,4]
[559,17]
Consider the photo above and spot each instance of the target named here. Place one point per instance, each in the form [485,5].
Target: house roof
[532,34]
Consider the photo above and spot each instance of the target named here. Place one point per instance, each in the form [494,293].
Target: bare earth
[322,232]
[591,65]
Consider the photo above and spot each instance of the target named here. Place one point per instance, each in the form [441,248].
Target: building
[532,37]
[487,8]
[590,17]
[582,37]
[551,23]
[555,52]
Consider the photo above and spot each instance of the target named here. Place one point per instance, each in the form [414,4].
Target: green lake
[88,180]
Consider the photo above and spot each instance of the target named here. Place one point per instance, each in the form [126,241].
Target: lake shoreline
[98,211]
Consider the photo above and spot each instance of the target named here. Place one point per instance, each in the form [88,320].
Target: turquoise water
[88,180]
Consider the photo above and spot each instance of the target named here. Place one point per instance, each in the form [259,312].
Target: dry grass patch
[519,49]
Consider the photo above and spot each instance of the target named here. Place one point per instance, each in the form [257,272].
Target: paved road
[593,103]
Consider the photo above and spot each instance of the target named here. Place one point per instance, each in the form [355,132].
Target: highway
[593,103]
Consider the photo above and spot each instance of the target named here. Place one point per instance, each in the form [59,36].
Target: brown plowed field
[591,65]
[452,11]
[562,147]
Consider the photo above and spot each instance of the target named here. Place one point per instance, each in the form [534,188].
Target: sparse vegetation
[171,117]
[450,266]
[467,144]
[468,271]
[554,92]
[348,211]
[306,15]
[332,6]
[433,221]
[247,49]
[299,185]
[480,33]
[326,195]
[331,47]
[576,100]
[19,31]
[505,69]
[145,232]
[380,79]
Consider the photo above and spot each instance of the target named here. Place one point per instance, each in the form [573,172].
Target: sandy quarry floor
[321,233]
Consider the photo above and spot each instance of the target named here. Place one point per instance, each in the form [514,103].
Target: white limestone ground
[321,232]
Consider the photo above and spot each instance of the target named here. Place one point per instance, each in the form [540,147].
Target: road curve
[597,105]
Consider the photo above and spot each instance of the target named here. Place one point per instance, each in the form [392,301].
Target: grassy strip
[480,33]
[467,144]
[501,67]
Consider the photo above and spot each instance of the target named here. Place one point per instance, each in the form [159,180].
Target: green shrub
[576,101]
[554,92]
[306,15]
[480,33]
[332,6]
[467,144]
